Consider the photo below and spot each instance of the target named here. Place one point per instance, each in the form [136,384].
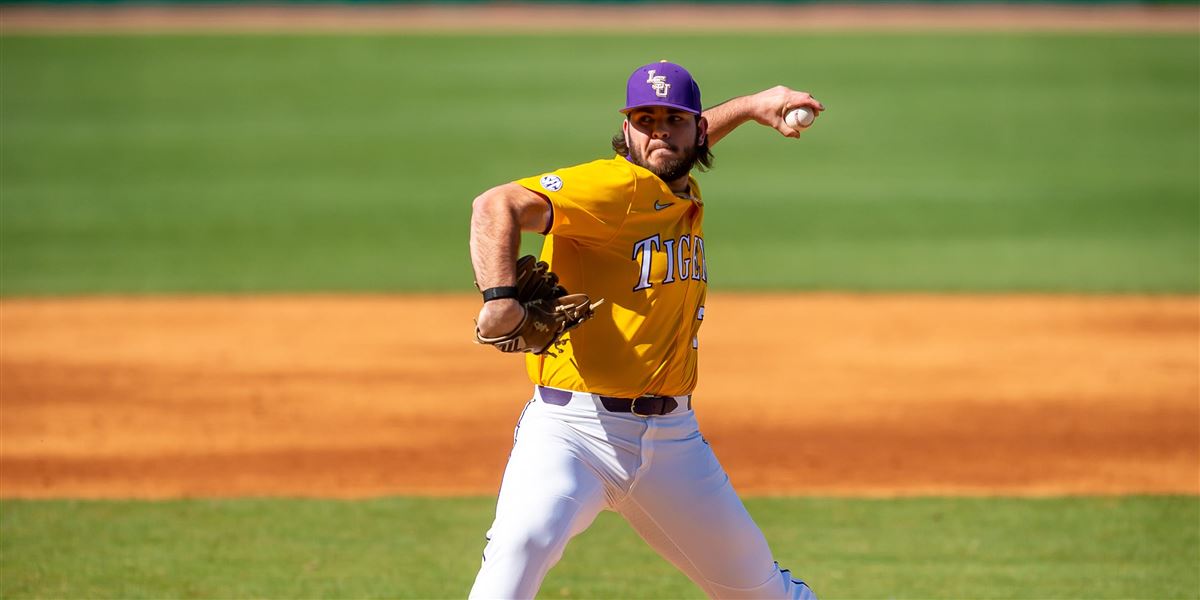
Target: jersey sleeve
[589,201]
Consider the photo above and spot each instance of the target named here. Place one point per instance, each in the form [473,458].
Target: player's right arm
[498,216]
[767,107]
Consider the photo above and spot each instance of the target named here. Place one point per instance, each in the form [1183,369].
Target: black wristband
[496,293]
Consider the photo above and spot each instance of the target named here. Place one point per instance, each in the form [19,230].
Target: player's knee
[540,545]
[548,538]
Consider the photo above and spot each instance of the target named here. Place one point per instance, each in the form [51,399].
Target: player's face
[664,140]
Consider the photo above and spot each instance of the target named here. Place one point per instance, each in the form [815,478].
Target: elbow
[493,208]
[481,203]
[485,205]
[512,206]
[491,202]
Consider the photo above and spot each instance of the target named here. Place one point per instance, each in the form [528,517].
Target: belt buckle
[633,407]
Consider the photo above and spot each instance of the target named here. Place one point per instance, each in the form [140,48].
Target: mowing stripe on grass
[982,162]
[1114,547]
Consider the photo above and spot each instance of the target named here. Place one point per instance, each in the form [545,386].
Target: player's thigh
[688,511]
[548,486]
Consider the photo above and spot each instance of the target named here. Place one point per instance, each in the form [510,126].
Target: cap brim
[666,104]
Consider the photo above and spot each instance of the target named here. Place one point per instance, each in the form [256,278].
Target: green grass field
[983,162]
[1135,547]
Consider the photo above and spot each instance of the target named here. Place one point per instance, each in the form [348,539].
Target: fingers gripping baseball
[776,104]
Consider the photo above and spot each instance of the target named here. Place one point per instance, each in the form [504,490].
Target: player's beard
[674,168]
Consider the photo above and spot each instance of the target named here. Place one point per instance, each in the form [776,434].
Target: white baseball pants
[570,462]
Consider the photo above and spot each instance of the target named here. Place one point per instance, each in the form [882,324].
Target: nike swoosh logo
[658,206]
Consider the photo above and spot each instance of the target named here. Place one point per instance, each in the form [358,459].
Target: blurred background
[1034,158]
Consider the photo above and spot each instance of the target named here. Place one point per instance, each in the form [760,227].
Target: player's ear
[625,131]
[701,130]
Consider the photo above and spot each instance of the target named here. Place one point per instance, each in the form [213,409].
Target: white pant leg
[548,496]
[684,506]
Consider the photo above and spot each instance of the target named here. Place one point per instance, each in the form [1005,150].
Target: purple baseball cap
[662,84]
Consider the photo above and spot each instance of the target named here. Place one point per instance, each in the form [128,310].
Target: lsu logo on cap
[659,83]
[552,183]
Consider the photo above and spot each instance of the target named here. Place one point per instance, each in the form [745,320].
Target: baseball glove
[549,311]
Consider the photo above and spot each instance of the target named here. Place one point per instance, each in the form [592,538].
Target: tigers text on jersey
[619,233]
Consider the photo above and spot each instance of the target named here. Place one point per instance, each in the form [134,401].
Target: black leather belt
[644,406]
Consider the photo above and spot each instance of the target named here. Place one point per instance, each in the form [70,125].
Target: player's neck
[680,186]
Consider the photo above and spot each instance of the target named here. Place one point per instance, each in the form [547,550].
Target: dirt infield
[555,18]
[807,394]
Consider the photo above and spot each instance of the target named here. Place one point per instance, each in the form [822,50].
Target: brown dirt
[551,18]
[807,394]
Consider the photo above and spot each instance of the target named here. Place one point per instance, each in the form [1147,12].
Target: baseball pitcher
[610,318]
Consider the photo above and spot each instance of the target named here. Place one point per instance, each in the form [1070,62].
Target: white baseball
[799,118]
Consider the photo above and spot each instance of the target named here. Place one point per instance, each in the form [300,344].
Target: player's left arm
[767,107]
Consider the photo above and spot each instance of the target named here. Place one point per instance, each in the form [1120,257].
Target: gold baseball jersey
[617,232]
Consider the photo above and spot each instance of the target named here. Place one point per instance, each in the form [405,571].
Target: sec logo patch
[552,183]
